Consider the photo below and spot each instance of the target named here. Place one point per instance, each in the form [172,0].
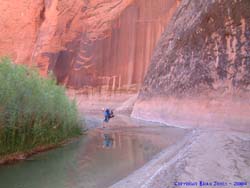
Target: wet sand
[204,155]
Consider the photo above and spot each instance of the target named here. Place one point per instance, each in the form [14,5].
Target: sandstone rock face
[20,22]
[114,44]
[200,70]
[86,43]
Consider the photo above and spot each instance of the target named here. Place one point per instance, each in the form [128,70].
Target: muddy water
[97,160]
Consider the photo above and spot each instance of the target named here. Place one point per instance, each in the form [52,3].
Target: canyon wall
[200,70]
[86,43]
[20,22]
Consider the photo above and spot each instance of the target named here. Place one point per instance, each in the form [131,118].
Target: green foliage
[34,111]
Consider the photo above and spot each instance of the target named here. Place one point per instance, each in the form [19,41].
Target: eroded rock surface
[200,71]
[20,22]
[86,43]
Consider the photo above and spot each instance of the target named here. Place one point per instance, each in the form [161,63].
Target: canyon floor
[217,158]
[204,157]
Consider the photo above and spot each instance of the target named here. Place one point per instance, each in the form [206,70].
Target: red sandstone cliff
[85,43]
[200,71]
[20,22]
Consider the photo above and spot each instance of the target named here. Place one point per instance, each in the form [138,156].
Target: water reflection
[95,161]
[108,141]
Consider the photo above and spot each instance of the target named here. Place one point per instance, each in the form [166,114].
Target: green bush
[34,111]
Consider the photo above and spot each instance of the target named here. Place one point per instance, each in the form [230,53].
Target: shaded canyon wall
[86,43]
[200,70]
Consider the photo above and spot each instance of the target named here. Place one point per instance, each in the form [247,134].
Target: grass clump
[34,111]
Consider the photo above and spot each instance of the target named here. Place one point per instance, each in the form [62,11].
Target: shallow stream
[97,160]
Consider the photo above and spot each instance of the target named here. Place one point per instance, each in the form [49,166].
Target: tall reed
[34,111]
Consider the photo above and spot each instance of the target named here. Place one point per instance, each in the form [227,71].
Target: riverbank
[20,156]
[35,112]
[204,156]
[191,155]
[90,105]
[131,144]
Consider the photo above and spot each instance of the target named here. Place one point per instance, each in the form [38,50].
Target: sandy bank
[204,155]
[147,173]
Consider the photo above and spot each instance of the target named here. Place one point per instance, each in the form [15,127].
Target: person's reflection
[108,141]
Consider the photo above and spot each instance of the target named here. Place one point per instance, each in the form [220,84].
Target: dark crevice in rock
[42,15]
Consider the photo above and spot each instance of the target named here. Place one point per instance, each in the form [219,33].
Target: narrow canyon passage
[176,73]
